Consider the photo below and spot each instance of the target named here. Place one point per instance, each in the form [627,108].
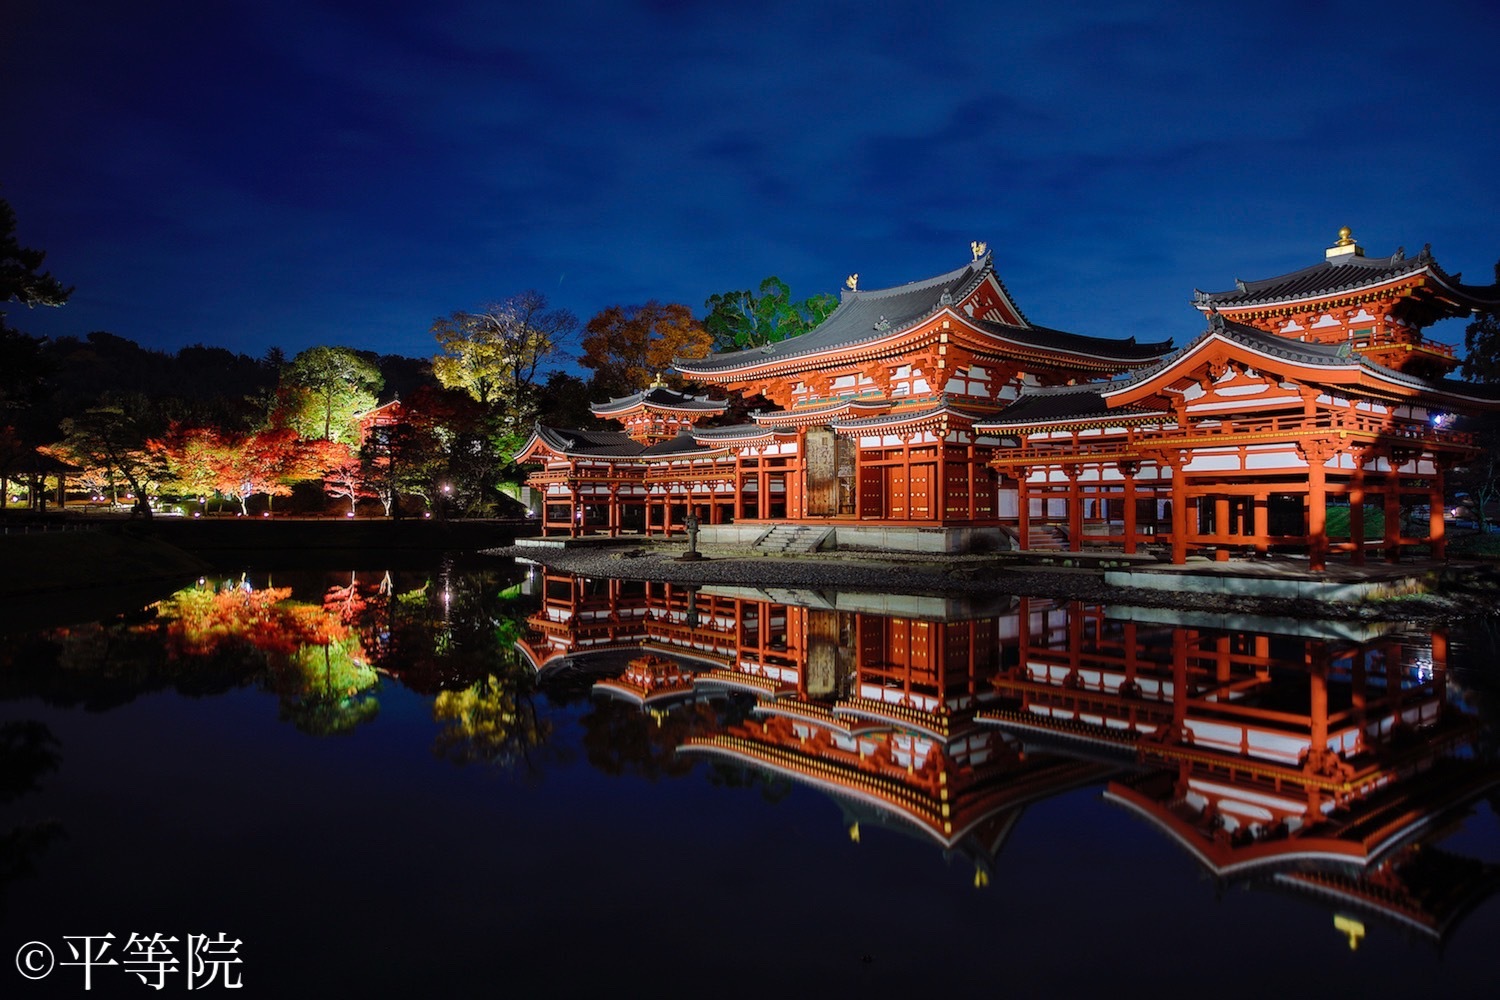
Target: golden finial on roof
[978,249]
[1345,248]
[657,383]
[852,282]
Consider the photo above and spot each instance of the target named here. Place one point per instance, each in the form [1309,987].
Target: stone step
[785,539]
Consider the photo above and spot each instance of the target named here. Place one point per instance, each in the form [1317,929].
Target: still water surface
[483,779]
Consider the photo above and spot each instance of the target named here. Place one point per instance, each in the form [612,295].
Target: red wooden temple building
[869,432]
[935,416]
[1308,389]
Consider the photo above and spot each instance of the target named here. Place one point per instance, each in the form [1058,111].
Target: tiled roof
[733,433]
[1342,274]
[682,444]
[868,316]
[1331,356]
[861,316]
[1077,343]
[1044,405]
[902,415]
[660,396]
[577,443]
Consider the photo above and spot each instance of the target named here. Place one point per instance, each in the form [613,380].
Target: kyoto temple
[870,431]
[1322,759]
[935,416]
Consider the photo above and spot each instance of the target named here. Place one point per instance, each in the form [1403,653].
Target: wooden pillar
[939,490]
[1221,528]
[972,501]
[1075,511]
[1317,753]
[1435,525]
[1317,510]
[1023,509]
[575,513]
[906,464]
[1179,514]
[1260,514]
[1357,511]
[1393,514]
[1129,528]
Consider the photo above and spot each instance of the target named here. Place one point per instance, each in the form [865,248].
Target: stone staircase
[1047,538]
[790,539]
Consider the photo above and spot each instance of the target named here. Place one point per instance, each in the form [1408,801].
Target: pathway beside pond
[1416,591]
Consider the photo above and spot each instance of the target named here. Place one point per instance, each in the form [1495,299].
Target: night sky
[271,173]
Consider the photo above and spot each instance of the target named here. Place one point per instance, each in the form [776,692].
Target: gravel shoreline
[903,573]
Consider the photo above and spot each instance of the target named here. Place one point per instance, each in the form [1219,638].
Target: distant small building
[384,415]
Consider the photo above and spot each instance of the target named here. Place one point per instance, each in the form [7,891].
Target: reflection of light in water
[1351,928]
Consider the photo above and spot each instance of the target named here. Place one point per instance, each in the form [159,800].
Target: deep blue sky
[251,174]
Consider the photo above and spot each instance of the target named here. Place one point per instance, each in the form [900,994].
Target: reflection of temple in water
[1325,760]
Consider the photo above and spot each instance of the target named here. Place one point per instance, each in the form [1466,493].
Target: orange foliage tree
[628,346]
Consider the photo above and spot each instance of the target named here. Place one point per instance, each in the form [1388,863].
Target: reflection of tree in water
[448,634]
[620,738]
[493,721]
[326,690]
[1474,680]
[206,639]
[313,660]
[28,750]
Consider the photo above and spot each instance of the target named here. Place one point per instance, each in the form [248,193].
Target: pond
[478,777]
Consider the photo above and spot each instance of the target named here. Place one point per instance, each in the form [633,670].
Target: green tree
[1482,347]
[338,383]
[22,365]
[21,277]
[498,354]
[1480,478]
[739,320]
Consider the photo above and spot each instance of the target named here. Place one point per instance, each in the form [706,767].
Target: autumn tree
[267,461]
[194,458]
[628,346]
[338,466]
[330,385]
[498,354]
[739,320]
[115,434]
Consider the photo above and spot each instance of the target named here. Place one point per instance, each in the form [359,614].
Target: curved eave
[882,342]
[1076,348]
[710,408]
[822,777]
[1162,377]
[1114,418]
[1225,861]
[641,696]
[912,419]
[534,444]
[706,451]
[750,436]
[1428,277]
